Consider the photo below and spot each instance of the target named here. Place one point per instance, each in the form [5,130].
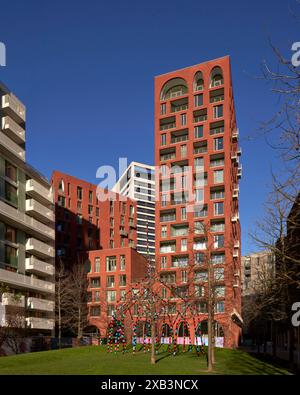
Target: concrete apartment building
[84,223]
[256,270]
[196,148]
[27,232]
[138,183]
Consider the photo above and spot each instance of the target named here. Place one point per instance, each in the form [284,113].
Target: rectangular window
[218,259]
[217,227]
[11,193]
[199,227]
[164,231]
[219,208]
[122,280]
[218,111]
[198,132]
[123,295]
[95,282]
[163,139]
[201,308]
[163,262]
[110,296]
[164,293]
[219,274]
[90,196]
[110,281]
[183,151]
[219,241]
[218,176]
[199,291]
[199,258]
[111,263]
[219,291]
[201,277]
[198,100]
[183,119]
[217,194]
[79,193]
[111,310]
[97,296]
[122,262]
[11,171]
[220,307]
[184,276]
[97,265]
[95,311]
[199,195]
[163,109]
[199,163]
[184,245]
[183,213]
[218,144]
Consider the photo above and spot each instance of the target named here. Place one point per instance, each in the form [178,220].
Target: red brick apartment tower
[195,125]
[113,273]
[84,223]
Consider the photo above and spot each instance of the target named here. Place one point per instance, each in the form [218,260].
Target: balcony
[11,149]
[22,221]
[26,282]
[11,319]
[40,304]
[13,130]
[240,172]
[237,244]
[37,247]
[39,192]
[235,253]
[236,191]
[40,323]
[235,134]
[38,211]
[35,266]
[234,156]
[12,107]
[9,299]
[235,218]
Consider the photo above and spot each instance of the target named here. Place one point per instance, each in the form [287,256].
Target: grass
[95,360]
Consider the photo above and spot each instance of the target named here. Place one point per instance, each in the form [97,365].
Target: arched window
[183,330]
[216,77]
[198,82]
[166,331]
[202,329]
[175,87]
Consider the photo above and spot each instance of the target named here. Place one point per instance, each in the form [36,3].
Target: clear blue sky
[85,71]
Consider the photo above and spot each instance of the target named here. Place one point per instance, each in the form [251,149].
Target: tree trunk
[153,335]
[209,323]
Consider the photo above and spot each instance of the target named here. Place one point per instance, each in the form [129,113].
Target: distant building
[256,269]
[84,223]
[138,183]
[26,229]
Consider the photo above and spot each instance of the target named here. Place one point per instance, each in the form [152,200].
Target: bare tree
[75,304]
[62,298]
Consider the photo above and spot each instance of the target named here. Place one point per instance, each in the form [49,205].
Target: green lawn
[96,360]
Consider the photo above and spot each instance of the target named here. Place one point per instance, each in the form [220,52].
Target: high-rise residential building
[26,229]
[84,223]
[197,215]
[138,183]
[114,272]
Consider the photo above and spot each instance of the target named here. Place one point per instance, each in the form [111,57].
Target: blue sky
[85,71]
